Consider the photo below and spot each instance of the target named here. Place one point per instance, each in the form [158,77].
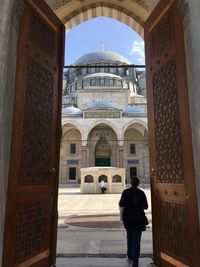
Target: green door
[102,162]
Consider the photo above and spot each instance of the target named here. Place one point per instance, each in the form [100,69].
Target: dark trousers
[103,189]
[133,245]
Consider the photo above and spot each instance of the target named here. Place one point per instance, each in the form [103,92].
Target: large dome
[98,56]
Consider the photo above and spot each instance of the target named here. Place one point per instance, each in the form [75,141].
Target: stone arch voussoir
[76,125]
[110,124]
[73,13]
[132,122]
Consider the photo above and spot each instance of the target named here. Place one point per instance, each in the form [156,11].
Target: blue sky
[100,32]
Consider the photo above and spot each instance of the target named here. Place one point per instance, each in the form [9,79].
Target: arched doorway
[174,193]
[102,146]
[102,152]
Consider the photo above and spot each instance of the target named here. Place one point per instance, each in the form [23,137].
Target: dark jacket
[134,201]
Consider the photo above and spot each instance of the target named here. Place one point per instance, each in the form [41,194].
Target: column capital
[120,143]
[84,143]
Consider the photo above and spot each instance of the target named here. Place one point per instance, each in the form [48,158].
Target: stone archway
[133,13]
[102,146]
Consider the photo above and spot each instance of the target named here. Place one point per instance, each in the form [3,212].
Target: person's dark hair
[135,182]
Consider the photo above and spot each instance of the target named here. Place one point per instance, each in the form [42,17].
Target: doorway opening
[105,102]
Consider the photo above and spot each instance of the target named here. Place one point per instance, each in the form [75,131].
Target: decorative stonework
[143,3]
[174,230]
[184,12]
[31,229]
[36,142]
[102,114]
[60,3]
[167,125]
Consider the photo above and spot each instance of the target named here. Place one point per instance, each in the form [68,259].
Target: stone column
[190,12]
[10,13]
[120,150]
[84,156]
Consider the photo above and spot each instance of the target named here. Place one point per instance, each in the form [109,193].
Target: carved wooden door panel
[31,209]
[174,200]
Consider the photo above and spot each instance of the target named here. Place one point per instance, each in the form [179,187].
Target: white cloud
[138,51]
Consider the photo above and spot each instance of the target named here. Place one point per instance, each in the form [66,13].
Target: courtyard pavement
[90,232]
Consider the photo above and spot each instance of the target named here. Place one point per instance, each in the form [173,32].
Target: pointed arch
[133,14]
[76,125]
[132,122]
[108,123]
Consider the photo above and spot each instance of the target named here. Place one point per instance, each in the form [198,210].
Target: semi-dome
[98,56]
[101,104]
[102,75]
[133,111]
[72,112]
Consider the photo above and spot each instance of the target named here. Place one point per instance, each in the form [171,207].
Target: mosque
[104,117]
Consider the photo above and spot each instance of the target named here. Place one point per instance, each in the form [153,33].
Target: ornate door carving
[31,210]
[176,236]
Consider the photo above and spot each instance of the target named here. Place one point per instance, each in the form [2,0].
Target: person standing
[132,204]
[103,187]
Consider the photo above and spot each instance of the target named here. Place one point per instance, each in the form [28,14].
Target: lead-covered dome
[103,75]
[72,112]
[101,104]
[99,56]
[132,111]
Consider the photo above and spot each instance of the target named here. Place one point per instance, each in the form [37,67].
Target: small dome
[102,74]
[98,56]
[133,111]
[101,104]
[72,111]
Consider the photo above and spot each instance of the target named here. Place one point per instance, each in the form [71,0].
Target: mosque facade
[104,117]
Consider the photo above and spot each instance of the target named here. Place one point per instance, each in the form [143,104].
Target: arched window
[117,179]
[89,179]
[103,177]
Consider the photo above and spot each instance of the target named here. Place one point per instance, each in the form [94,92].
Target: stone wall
[140,159]
[93,187]
[85,96]
[190,11]
[72,136]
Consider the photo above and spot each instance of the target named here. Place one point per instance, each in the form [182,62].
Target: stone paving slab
[85,240]
[101,262]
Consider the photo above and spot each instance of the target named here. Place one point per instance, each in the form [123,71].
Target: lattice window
[31,229]
[36,143]
[174,229]
[167,125]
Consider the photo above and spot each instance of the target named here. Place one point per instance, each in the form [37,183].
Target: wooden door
[31,209]
[176,237]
